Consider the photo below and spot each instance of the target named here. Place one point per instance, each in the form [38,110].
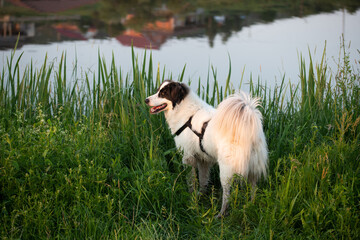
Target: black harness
[200,135]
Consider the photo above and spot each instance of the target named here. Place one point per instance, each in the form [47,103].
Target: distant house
[131,37]
[152,36]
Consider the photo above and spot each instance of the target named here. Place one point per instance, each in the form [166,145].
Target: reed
[83,158]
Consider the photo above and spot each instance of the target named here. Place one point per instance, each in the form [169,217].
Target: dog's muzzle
[155,109]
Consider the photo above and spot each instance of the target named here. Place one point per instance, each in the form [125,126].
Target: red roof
[136,39]
[70,31]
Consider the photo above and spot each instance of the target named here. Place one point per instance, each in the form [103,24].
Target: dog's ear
[178,92]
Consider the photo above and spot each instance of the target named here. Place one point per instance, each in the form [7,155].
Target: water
[263,46]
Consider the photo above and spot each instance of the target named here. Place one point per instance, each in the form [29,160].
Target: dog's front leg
[192,180]
[204,174]
[191,161]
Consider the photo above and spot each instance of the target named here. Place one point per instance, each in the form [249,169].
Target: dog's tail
[238,125]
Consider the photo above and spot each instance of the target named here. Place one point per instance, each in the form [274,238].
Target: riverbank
[86,160]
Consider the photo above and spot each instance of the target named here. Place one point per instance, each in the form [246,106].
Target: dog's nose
[147,100]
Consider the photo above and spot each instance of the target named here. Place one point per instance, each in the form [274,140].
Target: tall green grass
[83,158]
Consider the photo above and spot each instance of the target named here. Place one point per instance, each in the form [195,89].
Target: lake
[261,39]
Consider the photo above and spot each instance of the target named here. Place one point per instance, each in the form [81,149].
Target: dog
[231,135]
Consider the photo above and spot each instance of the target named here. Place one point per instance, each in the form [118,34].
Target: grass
[84,159]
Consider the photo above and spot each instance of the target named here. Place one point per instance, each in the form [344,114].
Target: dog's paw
[219,216]
[222,215]
[204,190]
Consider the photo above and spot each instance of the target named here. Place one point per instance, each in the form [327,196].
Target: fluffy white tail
[239,132]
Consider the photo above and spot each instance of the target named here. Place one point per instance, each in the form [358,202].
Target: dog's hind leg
[204,174]
[226,173]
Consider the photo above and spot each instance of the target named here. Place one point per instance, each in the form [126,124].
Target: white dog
[231,135]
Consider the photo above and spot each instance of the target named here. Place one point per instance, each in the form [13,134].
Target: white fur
[234,137]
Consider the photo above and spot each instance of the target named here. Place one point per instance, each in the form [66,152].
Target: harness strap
[200,135]
[187,124]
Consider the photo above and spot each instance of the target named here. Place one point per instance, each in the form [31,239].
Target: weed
[84,159]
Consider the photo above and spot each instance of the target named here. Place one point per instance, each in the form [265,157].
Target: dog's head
[169,94]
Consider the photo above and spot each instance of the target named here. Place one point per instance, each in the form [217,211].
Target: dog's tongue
[153,109]
[156,109]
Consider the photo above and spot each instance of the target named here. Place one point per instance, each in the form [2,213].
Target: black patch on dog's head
[174,92]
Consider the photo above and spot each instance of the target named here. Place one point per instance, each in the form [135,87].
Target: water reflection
[145,24]
[263,37]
